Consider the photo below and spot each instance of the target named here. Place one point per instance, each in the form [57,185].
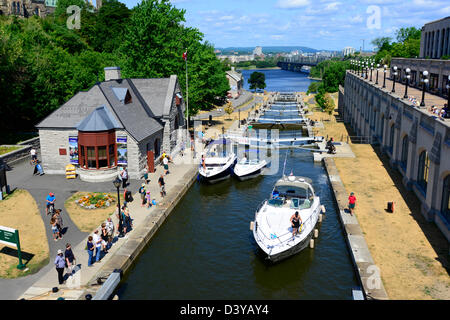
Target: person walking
[55,230]
[351,202]
[60,264]
[33,155]
[166,165]
[90,250]
[162,186]
[69,258]
[59,221]
[98,245]
[127,221]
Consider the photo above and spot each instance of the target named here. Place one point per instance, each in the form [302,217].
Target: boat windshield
[289,191]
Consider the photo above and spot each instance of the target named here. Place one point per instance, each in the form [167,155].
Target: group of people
[441,113]
[56,221]
[65,260]
[100,241]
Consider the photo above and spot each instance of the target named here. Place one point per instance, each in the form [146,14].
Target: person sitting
[330,146]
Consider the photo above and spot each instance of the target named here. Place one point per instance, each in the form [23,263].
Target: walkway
[39,285]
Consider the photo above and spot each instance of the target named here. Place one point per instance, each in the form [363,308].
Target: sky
[318,24]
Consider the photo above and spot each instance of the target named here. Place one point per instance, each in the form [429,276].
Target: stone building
[417,143]
[116,123]
[435,39]
[236,82]
[434,44]
[27,8]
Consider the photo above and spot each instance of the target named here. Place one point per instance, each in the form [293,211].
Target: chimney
[112,73]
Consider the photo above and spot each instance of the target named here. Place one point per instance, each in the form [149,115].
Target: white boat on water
[247,169]
[272,228]
[217,164]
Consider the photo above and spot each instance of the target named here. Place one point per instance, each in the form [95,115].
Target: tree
[257,80]
[404,34]
[382,43]
[328,104]
[229,109]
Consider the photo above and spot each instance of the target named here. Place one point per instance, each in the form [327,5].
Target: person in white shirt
[97,240]
[166,165]
[33,155]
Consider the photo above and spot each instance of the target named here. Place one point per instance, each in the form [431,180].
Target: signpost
[10,237]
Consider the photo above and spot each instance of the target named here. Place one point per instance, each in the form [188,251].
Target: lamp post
[395,74]
[425,81]
[117,183]
[378,66]
[366,70]
[384,79]
[408,70]
[371,70]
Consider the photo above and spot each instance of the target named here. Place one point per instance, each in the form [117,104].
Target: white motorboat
[247,169]
[272,228]
[217,165]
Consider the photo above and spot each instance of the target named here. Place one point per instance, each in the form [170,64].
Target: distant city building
[435,40]
[348,51]
[235,58]
[258,51]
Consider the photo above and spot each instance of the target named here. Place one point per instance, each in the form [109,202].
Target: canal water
[280,80]
[205,249]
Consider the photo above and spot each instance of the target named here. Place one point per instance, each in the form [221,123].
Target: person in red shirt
[351,202]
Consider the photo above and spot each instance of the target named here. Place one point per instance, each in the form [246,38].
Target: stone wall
[403,132]
[51,141]
[171,140]
[23,152]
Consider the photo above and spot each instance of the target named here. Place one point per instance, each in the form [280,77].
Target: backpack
[128,197]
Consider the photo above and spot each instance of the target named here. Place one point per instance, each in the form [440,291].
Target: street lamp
[366,71]
[395,74]
[117,183]
[371,70]
[378,66]
[425,81]
[384,79]
[408,70]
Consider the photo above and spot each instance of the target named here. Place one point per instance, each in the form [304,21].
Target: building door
[150,157]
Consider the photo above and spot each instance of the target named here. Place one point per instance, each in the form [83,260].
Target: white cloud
[357,19]
[226,18]
[332,6]
[277,36]
[291,4]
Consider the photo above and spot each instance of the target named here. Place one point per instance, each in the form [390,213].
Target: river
[205,249]
[280,80]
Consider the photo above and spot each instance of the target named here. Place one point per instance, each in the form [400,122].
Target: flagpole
[188,142]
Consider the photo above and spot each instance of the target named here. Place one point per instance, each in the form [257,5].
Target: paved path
[21,177]
[236,104]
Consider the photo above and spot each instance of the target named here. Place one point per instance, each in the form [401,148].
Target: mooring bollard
[316,233]
[251,225]
[320,217]
[311,243]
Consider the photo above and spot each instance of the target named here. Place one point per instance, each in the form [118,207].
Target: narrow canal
[205,249]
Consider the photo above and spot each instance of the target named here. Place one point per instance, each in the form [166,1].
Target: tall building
[258,51]
[348,51]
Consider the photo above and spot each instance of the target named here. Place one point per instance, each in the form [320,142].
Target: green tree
[257,80]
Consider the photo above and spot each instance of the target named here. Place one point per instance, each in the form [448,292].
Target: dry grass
[19,211]
[410,252]
[87,220]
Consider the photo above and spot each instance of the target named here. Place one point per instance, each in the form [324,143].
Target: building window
[404,156]
[91,158]
[445,207]
[97,149]
[391,139]
[424,167]
[102,157]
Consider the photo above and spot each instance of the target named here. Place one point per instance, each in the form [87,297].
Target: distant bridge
[296,63]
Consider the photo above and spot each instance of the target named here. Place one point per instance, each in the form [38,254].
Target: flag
[185,56]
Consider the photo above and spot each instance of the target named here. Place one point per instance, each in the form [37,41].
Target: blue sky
[319,24]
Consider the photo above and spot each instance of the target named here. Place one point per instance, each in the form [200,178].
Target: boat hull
[251,175]
[292,251]
[217,177]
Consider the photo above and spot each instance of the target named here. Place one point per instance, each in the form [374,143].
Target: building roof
[235,75]
[151,101]
[100,119]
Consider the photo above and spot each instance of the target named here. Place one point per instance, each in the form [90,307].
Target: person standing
[90,250]
[55,230]
[124,175]
[50,202]
[69,257]
[351,203]
[60,264]
[142,193]
[33,155]
[104,236]
[98,245]
[110,229]
[148,199]
[59,221]
[166,165]
[162,186]
[296,222]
